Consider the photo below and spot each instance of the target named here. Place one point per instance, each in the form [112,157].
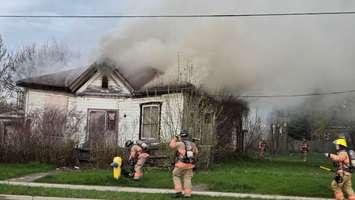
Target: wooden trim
[83,78]
[158,103]
[124,80]
[94,68]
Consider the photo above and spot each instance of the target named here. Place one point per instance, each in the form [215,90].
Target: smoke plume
[252,55]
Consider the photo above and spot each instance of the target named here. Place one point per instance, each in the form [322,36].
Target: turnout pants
[346,186]
[262,154]
[138,171]
[182,180]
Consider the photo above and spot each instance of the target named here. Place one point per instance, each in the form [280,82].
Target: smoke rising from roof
[261,55]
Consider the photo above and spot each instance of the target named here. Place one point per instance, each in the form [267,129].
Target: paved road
[155,190]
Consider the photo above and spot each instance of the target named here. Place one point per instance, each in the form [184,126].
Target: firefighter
[186,152]
[342,180]
[137,157]
[262,149]
[304,148]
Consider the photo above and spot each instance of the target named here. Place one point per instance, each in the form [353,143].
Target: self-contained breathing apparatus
[189,154]
[343,145]
[349,149]
[189,144]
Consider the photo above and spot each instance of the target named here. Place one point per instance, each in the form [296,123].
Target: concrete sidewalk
[155,190]
[21,197]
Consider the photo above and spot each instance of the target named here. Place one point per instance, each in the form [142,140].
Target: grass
[32,191]
[15,170]
[284,175]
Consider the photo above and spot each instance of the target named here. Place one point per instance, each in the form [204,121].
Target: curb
[155,190]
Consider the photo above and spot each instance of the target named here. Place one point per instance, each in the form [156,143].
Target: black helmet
[129,143]
[184,133]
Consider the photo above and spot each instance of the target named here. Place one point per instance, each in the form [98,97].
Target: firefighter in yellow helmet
[186,152]
[342,180]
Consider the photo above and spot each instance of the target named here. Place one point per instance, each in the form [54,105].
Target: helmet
[144,145]
[128,143]
[184,133]
[341,141]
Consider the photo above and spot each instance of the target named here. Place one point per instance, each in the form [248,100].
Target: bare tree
[37,59]
[6,72]
[31,60]
[254,127]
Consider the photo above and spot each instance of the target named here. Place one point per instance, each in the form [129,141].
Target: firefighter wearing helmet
[342,180]
[137,157]
[304,149]
[186,152]
[262,149]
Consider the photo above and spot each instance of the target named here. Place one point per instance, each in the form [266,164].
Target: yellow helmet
[341,141]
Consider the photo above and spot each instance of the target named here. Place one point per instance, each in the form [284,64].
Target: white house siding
[130,107]
[83,104]
[129,111]
[37,99]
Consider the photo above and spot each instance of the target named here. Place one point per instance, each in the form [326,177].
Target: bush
[102,154]
[44,136]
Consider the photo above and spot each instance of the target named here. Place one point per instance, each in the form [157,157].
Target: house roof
[137,81]
[55,81]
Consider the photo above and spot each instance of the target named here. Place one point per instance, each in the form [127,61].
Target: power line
[299,95]
[183,16]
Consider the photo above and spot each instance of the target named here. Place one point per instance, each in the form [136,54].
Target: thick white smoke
[255,55]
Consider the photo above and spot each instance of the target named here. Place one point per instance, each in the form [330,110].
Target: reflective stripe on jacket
[342,160]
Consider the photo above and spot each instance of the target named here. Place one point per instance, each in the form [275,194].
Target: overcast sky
[84,33]
[274,48]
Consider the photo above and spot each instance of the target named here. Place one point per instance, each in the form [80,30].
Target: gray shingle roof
[138,79]
[60,80]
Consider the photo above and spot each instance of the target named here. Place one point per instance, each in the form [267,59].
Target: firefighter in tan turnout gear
[342,180]
[186,152]
[137,157]
[262,149]
[304,148]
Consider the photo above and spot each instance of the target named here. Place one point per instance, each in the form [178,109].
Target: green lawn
[285,175]
[22,190]
[15,170]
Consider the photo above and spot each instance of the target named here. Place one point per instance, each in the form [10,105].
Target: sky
[85,33]
[276,55]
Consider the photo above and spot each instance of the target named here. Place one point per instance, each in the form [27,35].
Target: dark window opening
[150,121]
[104,83]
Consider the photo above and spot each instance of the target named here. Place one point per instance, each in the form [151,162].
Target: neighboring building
[119,105]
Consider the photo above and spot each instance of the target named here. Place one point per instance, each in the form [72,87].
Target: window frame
[141,125]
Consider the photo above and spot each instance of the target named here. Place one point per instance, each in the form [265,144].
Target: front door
[103,127]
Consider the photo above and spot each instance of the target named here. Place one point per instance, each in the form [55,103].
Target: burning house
[118,106]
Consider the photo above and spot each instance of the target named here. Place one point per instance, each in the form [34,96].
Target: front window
[150,121]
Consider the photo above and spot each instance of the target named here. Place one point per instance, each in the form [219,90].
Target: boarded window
[150,121]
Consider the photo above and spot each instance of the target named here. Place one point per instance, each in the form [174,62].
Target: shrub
[43,136]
